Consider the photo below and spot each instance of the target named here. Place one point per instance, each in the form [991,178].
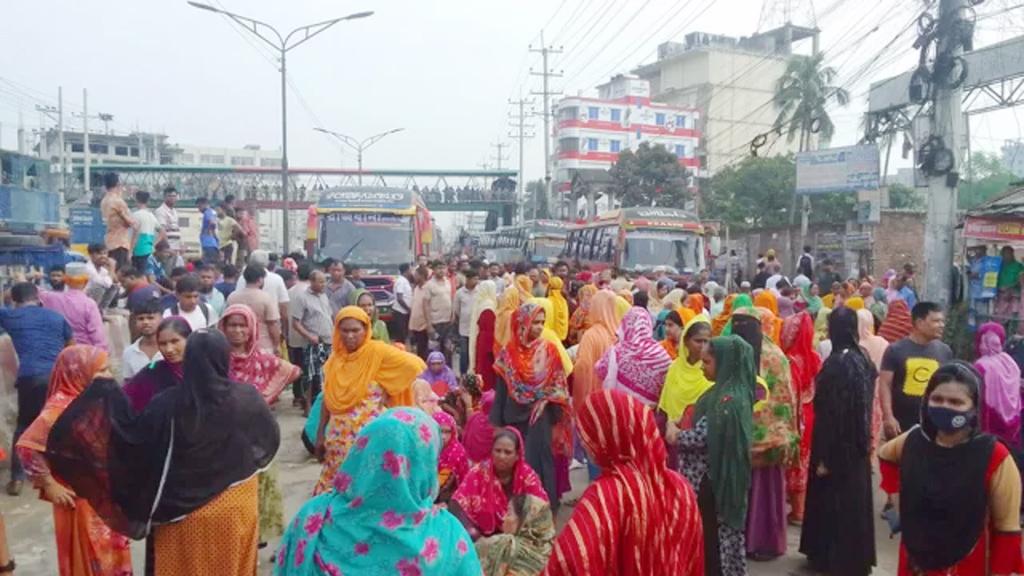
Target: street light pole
[359,145]
[282,45]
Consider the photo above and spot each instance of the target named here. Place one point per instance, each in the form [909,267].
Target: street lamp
[359,145]
[282,45]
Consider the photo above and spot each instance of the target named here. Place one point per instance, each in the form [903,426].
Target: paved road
[30,523]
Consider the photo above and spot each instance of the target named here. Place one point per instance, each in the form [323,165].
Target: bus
[640,239]
[377,229]
[534,241]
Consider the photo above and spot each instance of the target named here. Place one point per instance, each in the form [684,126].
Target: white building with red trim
[591,132]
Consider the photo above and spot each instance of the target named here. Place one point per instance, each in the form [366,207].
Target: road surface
[30,523]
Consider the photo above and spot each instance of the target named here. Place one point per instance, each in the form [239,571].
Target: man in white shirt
[145,350]
[147,232]
[273,284]
[168,218]
[402,306]
[99,268]
[199,315]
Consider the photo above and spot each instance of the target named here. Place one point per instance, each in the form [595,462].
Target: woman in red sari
[481,500]
[86,546]
[639,517]
[804,364]
[481,333]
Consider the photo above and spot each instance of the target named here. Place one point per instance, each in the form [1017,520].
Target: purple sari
[1000,390]
[152,380]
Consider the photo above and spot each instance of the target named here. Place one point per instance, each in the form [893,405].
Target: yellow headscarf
[525,286]
[854,303]
[621,307]
[685,383]
[549,332]
[348,375]
[507,306]
[560,318]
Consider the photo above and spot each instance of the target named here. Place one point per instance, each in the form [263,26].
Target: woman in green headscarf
[364,299]
[524,546]
[715,453]
[814,303]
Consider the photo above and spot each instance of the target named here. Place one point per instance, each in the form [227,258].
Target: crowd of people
[706,420]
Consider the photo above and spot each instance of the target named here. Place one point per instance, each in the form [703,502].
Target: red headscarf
[452,460]
[804,362]
[268,373]
[639,517]
[897,324]
[481,496]
[478,435]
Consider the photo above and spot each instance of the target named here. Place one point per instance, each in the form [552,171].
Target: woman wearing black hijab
[838,534]
[959,490]
[183,471]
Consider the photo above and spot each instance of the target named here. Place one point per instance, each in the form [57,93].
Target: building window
[659,119]
[680,121]
[211,158]
[593,113]
[99,148]
[615,146]
[568,144]
[568,113]
[187,158]
[592,144]
[77,147]
[616,115]
[270,162]
[242,161]
[135,152]
[120,150]
[680,151]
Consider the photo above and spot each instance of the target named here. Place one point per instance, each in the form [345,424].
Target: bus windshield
[647,250]
[545,249]
[373,241]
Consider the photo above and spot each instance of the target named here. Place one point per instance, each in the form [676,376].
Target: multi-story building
[732,82]
[591,132]
[251,155]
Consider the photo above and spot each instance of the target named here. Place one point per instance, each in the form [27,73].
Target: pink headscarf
[637,364]
[1000,391]
[453,454]
[478,436]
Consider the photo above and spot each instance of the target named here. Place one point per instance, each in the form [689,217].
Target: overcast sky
[441,69]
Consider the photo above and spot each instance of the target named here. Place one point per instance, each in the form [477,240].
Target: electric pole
[85,145]
[520,126]
[947,123]
[56,113]
[499,146]
[546,74]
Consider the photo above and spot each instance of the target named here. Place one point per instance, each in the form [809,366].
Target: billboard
[846,169]
[366,198]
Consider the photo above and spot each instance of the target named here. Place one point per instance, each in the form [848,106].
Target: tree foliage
[985,177]
[802,95]
[755,193]
[536,194]
[905,197]
[650,176]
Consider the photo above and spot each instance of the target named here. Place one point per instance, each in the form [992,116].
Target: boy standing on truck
[148,231]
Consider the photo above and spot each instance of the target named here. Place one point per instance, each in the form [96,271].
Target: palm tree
[801,96]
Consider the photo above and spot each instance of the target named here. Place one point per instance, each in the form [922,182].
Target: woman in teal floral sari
[379,518]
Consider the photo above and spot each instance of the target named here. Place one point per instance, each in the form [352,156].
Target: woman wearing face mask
[959,490]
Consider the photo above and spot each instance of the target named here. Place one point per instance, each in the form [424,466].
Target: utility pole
[56,113]
[499,146]
[947,122]
[85,144]
[520,126]
[546,74]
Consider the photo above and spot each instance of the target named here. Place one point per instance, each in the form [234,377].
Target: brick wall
[899,239]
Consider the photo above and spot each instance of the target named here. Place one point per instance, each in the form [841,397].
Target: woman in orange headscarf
[86,546]
[362,379]
[580,320]
[718,322]
[594,343]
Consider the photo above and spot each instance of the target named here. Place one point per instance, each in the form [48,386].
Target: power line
[545,52]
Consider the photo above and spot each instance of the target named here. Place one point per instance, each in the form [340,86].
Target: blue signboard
[87,225]
[984,276]
[370,198]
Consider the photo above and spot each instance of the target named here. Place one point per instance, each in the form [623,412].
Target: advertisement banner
[366,198]
[984,276]
[1000,230]
[846,169]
